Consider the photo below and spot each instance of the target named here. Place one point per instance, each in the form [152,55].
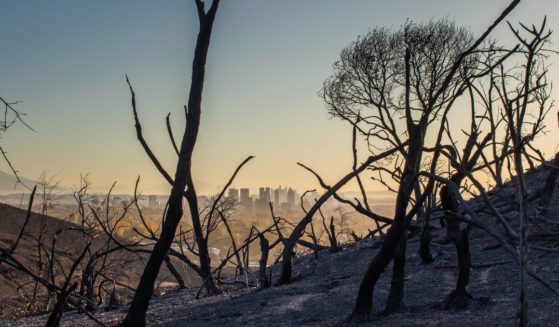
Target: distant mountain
[8,183]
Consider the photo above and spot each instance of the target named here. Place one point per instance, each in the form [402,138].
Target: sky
[66,60]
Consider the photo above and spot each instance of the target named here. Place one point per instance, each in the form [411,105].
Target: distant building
[246,200]
[234,194]
[291,197]
[245,195]
[282,194]
[277,196]
[261,205]
[283,198]
[265,194]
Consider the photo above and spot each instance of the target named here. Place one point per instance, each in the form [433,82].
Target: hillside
[16,287]
[324,289]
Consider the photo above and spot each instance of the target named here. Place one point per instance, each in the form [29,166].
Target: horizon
[67,190]
[67,63]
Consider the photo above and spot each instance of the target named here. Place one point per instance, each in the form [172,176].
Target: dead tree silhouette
[60,276]
[417,74]
[517,103]
[183,177]
[182,183]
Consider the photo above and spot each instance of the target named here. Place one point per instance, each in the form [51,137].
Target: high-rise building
[277,196]
[265,194]
[234,194]
[282,194]
[264,198]
[291,197]
[246,200]
[245,195]
[268,195]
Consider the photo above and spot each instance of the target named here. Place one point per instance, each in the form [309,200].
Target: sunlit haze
[67,60]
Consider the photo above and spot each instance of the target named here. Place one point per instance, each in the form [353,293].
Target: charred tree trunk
[425,246]
[523,248]
[395,243]
[113,302]
[459,297]
[203,254]
[364,300]
[459,233]
[395,299]
[86,288]
[264,250]
[89,294]
[240,267]
[426,237]
[65,291]
[137,312]
[289,247]
[332,235]
[61,300]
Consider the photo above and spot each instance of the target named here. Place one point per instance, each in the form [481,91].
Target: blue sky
[66,60]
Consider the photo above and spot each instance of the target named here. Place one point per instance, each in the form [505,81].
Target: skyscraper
[268,197]
[246,201]
[277,196]
[282,194]
[234,194]
[265,194]
[291,197]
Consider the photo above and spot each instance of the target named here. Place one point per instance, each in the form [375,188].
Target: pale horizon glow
[66,60]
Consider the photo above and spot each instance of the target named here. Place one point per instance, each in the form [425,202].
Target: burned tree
[299,229]
[182,183]
[366,83]
[59,278]
[457,232]
[413,75]
[523,98]
[214,212]
[54,271]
